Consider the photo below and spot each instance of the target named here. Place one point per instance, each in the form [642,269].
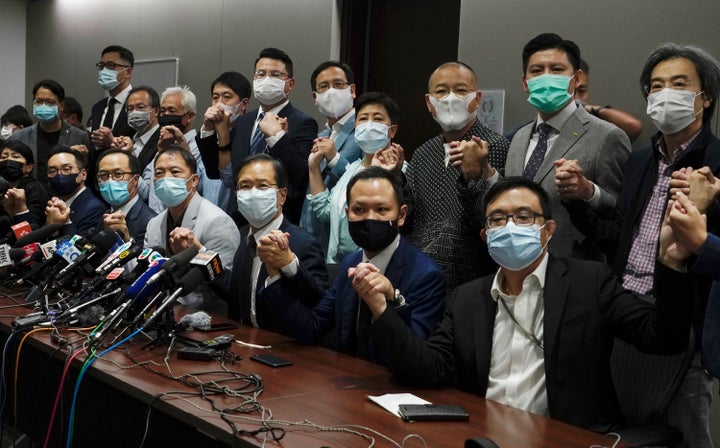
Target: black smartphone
[224,326]
[271,360]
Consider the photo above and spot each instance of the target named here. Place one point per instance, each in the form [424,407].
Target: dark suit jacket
[121,126]
[86,212]
[707,263]
[585,308]
[150,149]
[292,150]
[417,277]
[310,280]
[137,220]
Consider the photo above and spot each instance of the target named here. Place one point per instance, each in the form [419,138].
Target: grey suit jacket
[69,136]
[215,230]
[602,150]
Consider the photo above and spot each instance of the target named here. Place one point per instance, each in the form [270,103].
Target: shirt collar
[72,198]
[275,110]
[125,208]
[272,225]
[382,259]
[341,121]
[123,95]
[146,135]
[559,119]
[681,151]
[538,275]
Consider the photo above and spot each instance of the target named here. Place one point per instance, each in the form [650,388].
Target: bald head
[455,66]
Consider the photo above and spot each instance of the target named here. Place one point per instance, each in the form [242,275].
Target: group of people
[502,267]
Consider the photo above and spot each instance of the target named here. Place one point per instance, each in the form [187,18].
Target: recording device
[197,353]
[271,360]
[219,343]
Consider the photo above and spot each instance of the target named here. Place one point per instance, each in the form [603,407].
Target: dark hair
[17,115]
[183,153]
[236,82]
[511,183]
[584,67]
[706,65]
[375,172]
[281,178]
[133,162]
[20,148]
[124,53]
[549,41]
[277,54]
[152,93]
[327,64]
[383,100]
[80,158]
[72,106]
[52,86]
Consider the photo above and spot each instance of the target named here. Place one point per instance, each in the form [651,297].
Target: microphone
[200,320]
[36,236]
[187,284]
[98,246]
[176,265]
[210,262]
[8,256]
[5,223]
[118,259]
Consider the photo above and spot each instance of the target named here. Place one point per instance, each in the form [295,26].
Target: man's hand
[680,181]
[181,238]
[571,182]
[274,251]
[471,157]
[318,152]
[671,251]
[116,222]
[15,202]
[688,225]
[704,188]
[271,124]
[57,212]
[390,159]
[213,116]
[326,146]
[373,287]
[81,148]
[102,137]
[123,142]
[169,136]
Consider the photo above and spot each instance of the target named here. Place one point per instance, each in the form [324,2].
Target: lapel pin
[575,134]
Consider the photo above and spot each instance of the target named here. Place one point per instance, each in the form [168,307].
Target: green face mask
[549,93]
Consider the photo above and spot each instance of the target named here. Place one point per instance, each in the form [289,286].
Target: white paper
[392,402]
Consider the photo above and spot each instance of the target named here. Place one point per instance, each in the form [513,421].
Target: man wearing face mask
[230,96]
[14,119]
[387,268]
[449,175]
[276,128]
[50,130]
[109,115]
[143,110]
[563,131]
[537,335]
[681,84]
[190,220]
[118,175]
[333,91]
[26,194]
[271,250]
[72,204]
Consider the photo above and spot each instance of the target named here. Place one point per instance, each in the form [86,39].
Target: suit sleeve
[708,259]
[310,282]
[208,148]
[293,150]
[610,162]
[425,301]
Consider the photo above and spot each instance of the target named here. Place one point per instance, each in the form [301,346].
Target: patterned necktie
[538,155]
[110,114]
[257,144]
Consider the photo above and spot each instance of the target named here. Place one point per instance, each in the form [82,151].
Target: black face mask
[171,120]
[373,235]
[63,184]
[11,170]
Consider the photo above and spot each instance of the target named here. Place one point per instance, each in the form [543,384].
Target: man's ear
[483,235]
[402,214]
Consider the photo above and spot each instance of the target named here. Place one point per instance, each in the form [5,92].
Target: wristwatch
[398,300]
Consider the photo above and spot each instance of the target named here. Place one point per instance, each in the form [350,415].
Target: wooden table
[322,387]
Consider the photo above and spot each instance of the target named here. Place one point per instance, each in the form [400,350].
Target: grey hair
[189,101]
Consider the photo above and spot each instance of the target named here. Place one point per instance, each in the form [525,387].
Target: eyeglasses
[441,93]
[65,169]
[522,219]
[46,101]
[109,65]
[676,84]
[273,74]
[103,176]
[336,84]
[248,187]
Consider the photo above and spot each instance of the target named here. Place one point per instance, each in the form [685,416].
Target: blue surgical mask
[45,113]
[171,190]
[115,192]
[108,79]
[515,247]
[257,206]
[372,136]
[548,92]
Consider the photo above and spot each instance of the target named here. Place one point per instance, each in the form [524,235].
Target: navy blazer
[417,277]
[86,212]
[707,263]
[310,281]
[585,308]
[137,220]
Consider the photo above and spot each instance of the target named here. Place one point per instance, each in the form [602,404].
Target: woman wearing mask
[26,194]
[375,126]
[14,119]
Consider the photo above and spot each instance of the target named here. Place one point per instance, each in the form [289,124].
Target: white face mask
[334,103]
[672,110]
[6,132]
[451,112]
[232,110]
[257,206]
[269,90]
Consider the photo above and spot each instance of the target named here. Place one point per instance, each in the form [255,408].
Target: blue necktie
[257,144]
[538,155]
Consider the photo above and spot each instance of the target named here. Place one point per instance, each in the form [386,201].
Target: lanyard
[528,334]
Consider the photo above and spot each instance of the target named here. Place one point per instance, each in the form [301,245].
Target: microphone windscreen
[38,235]
[200,320]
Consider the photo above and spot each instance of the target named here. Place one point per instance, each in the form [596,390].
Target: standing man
[109,115]
[143,109]
[449,175]
[333,88]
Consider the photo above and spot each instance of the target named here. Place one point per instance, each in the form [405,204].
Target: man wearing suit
[72,204]
[272,250]
[333,88]
[190,220]
[118,175]
[388,267]
[538,334]
[564,131]
[50,130]
[108,116]
[277,128]
[143,109]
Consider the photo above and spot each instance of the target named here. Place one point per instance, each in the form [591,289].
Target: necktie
[245,284]
[257,144]
[110,114]
[538,155]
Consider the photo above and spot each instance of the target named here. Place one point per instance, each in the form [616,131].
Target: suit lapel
[346,129]
[569,135]
[555,295]
[515,162]
[191,214]
[483,311]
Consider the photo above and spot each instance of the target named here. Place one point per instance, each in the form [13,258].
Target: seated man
[285,253]
[25,195]
[72,203]
[118,174]
[388,268]
[537,335]
[189,220]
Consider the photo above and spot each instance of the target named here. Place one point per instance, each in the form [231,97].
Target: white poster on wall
[491,109]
